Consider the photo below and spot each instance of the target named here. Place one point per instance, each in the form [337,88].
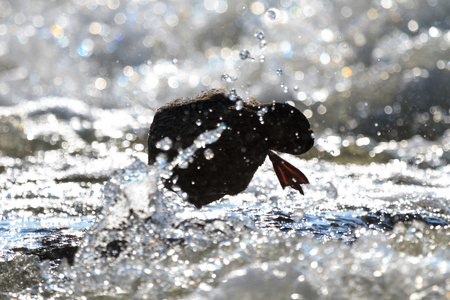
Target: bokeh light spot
[413,26]
[128,71]
[57,31]
[95,28]
[86,48]
[113,4]
[257,8]
[346,72]
[100,83]
[327,35]
[372,14]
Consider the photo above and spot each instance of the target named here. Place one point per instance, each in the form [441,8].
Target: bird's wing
[287,174]
[182,124]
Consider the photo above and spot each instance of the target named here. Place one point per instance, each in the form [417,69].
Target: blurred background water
[84,217]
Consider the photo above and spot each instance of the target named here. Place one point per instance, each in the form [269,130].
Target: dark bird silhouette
[252,131]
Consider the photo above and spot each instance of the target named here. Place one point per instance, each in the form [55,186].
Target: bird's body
[251,132]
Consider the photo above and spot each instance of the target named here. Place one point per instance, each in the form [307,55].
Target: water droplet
[262,58]
[198,122]
[185,156]
[271,14]
[184,164]
[244,54]
[259,35]
[161,159]
[296,88]
[262,44]
[261,114]
[280,72]
[226,78]
[164,144]
[239,105]
[209,154]
[210,136]
[331,191]
[233,95]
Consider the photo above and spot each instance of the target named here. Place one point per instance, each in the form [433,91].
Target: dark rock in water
[53,253]
[253,130]
[114,248]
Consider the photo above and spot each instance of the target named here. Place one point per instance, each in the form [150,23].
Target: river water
[84,217]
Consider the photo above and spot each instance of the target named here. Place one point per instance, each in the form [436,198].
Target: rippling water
[83,216]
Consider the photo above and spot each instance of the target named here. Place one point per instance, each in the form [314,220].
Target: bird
[252,131]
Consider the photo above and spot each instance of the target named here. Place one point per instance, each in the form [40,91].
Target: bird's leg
[287,174]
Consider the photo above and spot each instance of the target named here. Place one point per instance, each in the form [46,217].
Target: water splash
[206,138]
[261,114]
[208,153]
[54,158]
[225,78]
[233,95]
[245,54]
[271,14]
[239,105]
[259,35]
[164,144]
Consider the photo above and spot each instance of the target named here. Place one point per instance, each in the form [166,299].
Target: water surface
[83,216]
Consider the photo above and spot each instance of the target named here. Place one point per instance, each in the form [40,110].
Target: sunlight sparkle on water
[73,161]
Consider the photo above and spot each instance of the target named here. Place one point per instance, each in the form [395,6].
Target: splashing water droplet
[184,164]
[261,114]
[211,136]
[198,122]
[280,72]
[259,35]
[262,58]
[239,105]
[226,78]
[244,54]
[185,156]
[209,154]
[271,14]
[164,144]
[233,95]
[161,159]
[262,44]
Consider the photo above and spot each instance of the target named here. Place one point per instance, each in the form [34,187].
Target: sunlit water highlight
[83,216]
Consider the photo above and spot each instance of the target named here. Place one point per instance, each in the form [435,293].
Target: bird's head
[287,129]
